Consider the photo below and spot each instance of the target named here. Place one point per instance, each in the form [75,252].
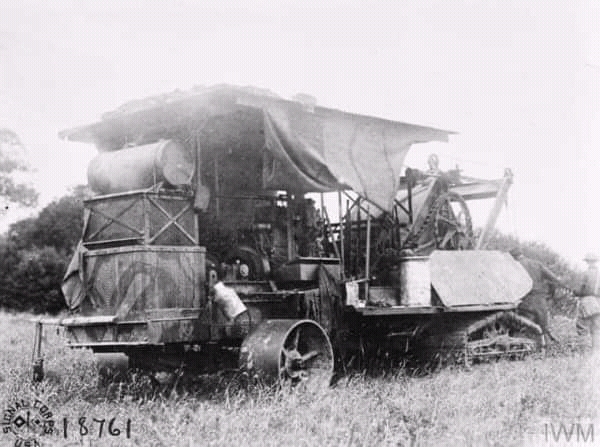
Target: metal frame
[150,201]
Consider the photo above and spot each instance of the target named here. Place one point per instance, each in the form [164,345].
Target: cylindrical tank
[141,167]
[415,281]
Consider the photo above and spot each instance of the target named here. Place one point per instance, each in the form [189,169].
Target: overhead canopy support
[500,200]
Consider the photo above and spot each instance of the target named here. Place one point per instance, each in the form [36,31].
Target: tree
[58,225]
[30,280]
[35,253]
[12,161]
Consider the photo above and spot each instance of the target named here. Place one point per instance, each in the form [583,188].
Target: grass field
[496,404]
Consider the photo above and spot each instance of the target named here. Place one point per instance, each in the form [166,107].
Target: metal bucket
[141,167]
[415,281]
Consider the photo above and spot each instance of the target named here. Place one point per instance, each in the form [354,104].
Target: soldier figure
[589,303]
[535,305]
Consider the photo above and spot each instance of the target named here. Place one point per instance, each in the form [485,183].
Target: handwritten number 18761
[85,428]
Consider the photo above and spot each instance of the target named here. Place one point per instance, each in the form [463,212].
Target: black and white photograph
[319,223]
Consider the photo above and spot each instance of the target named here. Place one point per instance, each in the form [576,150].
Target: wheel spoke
[296,339]
[290,364]
[291,354]
[447,237]
[309,356]
[446,220]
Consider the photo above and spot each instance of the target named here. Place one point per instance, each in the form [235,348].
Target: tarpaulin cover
[72,287]
[309,149]
[324,150]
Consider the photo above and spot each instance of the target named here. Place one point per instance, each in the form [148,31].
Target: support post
[409,186]
[341,237]
[217,191]
[358,237]
[289,228]
[37,362]
[499,201]
[368,253]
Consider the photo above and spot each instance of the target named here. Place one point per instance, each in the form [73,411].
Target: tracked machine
[234,229]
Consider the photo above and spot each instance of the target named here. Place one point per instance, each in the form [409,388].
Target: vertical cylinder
[37,342]
[341,236]
[415,281]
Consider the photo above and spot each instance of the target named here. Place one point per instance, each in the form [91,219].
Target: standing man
[535,305]
[589,303]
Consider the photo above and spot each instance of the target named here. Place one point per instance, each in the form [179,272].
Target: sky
[518,80]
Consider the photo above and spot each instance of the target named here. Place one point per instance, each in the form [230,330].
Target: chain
[412,241]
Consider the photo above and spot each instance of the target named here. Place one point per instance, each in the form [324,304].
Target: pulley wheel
[288,353]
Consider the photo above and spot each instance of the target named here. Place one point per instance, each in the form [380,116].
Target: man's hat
[590,257]
[516,251]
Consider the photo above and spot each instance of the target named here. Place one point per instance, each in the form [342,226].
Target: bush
[30,280]
[58,225]
[35,252]
[9,260]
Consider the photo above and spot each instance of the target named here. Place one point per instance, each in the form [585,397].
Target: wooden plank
[46,320]
[477,308]
[146,248]
[158,320]
[87,321]
[112,242]
[370,311]
[108,344]
[140,192]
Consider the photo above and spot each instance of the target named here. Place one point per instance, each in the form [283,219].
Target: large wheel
[288,353]
[453,227]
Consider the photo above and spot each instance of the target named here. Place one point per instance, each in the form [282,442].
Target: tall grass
[499,403]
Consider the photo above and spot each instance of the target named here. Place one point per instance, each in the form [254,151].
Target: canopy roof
[309,148]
